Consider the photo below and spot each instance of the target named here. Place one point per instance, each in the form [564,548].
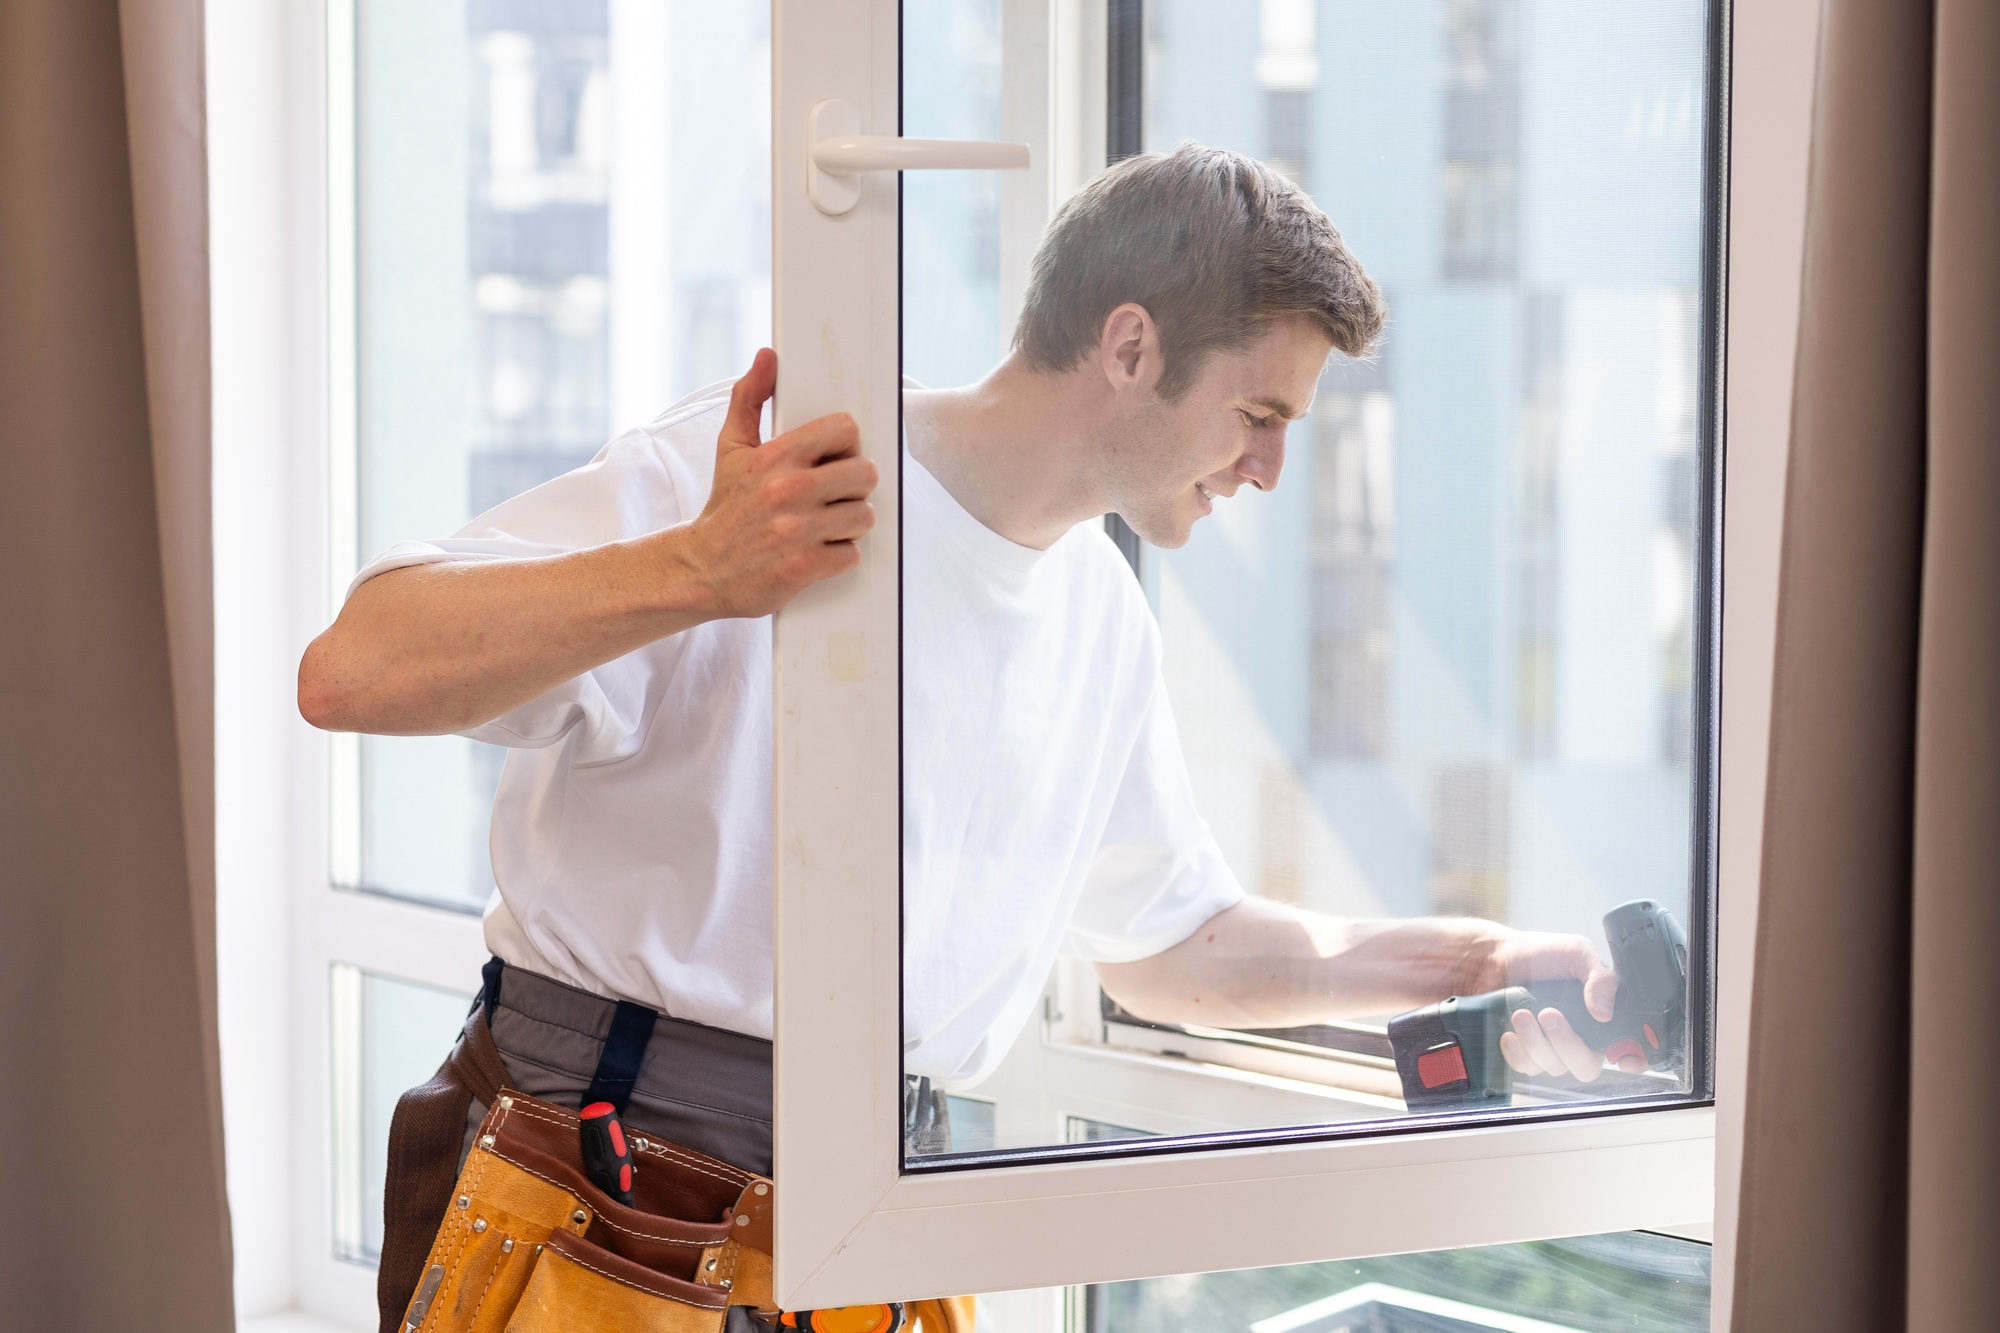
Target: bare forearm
[1264,964]
[439,648]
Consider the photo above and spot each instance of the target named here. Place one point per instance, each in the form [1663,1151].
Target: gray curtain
[1870,1193]
[110,1124]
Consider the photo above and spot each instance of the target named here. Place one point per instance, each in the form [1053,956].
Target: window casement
[1467,664]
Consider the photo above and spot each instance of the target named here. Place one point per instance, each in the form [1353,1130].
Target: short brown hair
[1215,245]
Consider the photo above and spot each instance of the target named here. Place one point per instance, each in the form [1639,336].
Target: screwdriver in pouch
[606,1155]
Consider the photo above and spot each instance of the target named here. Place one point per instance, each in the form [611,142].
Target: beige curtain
[110,1125]
[1870,1194]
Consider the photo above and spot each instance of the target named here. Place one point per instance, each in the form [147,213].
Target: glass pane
[1410,652]
[389,1036]
[558,235]
[1633,1281]
[951,219]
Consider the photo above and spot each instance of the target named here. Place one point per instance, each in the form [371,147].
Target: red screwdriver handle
[606,1155]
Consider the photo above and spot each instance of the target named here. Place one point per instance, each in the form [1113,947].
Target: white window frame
[281,259]
[337,927]
[852,1226]
[276,229]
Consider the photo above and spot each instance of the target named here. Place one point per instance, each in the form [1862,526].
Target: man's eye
[1256,421]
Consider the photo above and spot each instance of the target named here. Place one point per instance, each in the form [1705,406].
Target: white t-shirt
[1047,805]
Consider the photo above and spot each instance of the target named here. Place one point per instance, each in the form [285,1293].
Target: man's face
[1171,458]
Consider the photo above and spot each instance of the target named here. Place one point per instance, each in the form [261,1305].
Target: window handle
[841,152]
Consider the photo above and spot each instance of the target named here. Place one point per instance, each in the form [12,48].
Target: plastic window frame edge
[291,70]
[851,1225]
[1774,52]
[333,924]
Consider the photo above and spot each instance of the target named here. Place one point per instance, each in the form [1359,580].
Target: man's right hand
[785,512]
[445,647]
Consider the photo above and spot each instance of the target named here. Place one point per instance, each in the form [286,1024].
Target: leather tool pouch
[530,1245]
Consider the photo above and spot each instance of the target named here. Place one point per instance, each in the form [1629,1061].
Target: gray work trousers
[698,1086]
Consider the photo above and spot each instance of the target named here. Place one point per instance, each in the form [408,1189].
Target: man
[611,628]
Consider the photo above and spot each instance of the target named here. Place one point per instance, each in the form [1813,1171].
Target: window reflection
[1448,667]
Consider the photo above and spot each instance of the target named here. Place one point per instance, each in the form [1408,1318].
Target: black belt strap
[489,988]
[624,1046]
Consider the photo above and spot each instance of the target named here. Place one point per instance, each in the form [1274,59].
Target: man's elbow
[322,700]
[1134,987]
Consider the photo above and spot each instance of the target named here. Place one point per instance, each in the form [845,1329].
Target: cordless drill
[1448,1054]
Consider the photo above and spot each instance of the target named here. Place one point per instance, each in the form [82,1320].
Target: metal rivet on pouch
[711,1265]
[727,1284]
[506,1103]
[760,1189]
[640,1143]
[465,1201]
[479,1224]
[743,1219]
[507,1245]
[486,1142]
[579,1217]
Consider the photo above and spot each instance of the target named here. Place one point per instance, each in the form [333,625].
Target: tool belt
[528,1243]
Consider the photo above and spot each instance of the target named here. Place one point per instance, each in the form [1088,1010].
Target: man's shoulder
[668,463]
[1088,550]
[643,479]
[1099,573]
[685,432]
[686,415]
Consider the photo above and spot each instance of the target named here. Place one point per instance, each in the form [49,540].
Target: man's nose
[1263,461]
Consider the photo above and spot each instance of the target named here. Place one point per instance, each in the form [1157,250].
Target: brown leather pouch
[529,1243]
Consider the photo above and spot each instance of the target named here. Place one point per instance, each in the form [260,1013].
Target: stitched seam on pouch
[461,1229]
[701,1271]
[735,1174]
[647,1235]
[595,1213]
[738,1178]
[613,1277]
[536,1174]
[694,1165]
[461,1234]
[492,1273]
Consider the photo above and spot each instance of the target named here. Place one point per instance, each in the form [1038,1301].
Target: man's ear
[1128,349]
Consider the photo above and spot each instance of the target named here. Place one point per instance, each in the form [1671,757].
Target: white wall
[268,440]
